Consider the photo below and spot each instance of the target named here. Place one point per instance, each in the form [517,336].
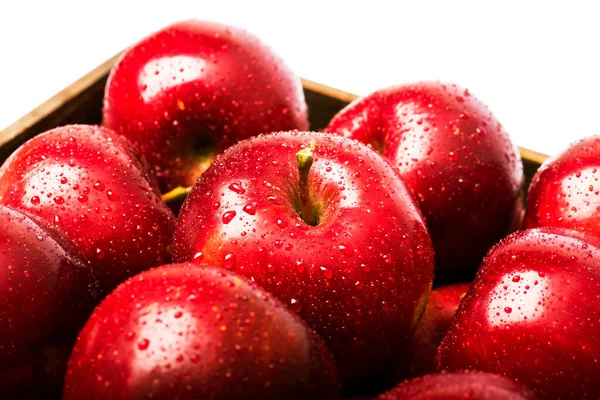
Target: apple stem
[304,159]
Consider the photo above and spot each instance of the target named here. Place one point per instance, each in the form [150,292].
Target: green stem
[304,159]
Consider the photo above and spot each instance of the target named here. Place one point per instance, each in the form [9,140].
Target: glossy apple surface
[455,156]
[37,272]
[565,191]
[532,314]
[359,276]
[437,318]
[192,89]
[90,184]
[186,332]
[459,385]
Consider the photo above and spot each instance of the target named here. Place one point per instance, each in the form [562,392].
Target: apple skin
[532,315]
[189,332]
[360,278]
[455,156]
[192,89]
[90,184]
[565,191]
[437,318]
[38,270]
[459,385]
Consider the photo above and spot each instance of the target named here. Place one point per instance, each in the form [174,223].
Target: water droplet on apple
[228,216]
[237,188]
[35,200]
[326,272]
[229,260]
[112,196]
[99,186]
[295,305]
[250,208]
[143,344]
[346,249]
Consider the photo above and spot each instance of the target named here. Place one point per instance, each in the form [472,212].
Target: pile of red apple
[303,262]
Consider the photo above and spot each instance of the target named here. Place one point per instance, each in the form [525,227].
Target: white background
[537,65]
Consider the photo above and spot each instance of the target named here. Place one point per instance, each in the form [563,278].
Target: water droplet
[99,254]
[228,216]
[271,268]
[59,200]
[237,188]
[99,186]
[216,205]
[83,198]
[35,200]
[275,200]
[143,344]
[300,265]
[129,335]
[516,278]
[346,249]
[282,223]
[250,208]
[63,180]
[507,310]
[223,328]
[112,196]
[178,314]
[229,260]
[365,268]
[197,255]
[295,305]
[327,272]
[195,358]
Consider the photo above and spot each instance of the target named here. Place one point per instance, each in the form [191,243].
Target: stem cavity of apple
[304,160]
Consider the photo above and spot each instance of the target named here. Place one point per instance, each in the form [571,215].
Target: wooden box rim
[56,102]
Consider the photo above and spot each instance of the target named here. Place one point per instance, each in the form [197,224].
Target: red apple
[459,385]
[532,315]
[90,184]
[457,159]
[189,91]
[342,243]
[437,318]
[37,272]
[565,191]
[185,332]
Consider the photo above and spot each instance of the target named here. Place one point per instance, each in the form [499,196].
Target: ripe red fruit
[565,191]
[37,272]
[455,156]
[185,332]
[342,243]
[532,314]
[90,184]
[437,318]
[189,91]
[459,385]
